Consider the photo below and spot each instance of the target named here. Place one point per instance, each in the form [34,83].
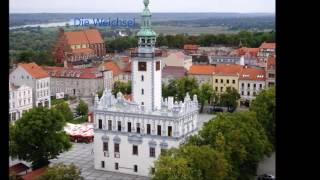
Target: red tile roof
[33,175]
[190,47]
[228,69]
[242,51]
[253,74]
[34,70]
[93,36]
[112,65]
[88,36]
[201,69]
[61,72]
[265,45]
[18,168]
[271,62]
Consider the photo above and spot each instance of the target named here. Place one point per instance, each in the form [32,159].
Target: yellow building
[226,75]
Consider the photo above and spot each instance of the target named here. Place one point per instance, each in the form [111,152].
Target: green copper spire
[145,30]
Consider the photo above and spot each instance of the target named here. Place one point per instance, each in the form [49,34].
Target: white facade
[40,86]
[129,136]
[20,101]
[118,121]
[249,89]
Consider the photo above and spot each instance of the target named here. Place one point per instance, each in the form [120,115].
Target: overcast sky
[51,6]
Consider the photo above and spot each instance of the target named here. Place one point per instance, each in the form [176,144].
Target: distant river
[56,24]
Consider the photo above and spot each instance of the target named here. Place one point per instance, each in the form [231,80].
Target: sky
[109,6]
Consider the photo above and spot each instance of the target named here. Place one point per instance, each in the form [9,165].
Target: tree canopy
[65,111]
[61,171]
[265,107]
[191,162]
[38,136]
[82,108]
[124,88]
[230,98]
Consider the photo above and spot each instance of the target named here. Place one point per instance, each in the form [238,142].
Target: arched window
[142,78]
[142,91]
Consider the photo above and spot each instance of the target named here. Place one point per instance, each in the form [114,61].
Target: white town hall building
[130,135]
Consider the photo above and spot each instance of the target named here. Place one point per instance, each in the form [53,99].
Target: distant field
[172,30]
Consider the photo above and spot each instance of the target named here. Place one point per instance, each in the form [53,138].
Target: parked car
[214,110]
[266,177]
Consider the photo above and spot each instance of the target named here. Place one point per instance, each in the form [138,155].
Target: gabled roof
[87,36]
[202,69]
[112,66]
[253,74]
[265,45]
[93,36]
[34,70]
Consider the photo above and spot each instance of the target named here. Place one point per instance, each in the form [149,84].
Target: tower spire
[146,36]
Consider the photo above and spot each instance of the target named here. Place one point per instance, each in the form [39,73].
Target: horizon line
[136,12]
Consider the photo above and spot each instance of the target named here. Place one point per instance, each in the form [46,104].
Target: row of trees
[228,147]
[205,93]
[248,39]
[40,58]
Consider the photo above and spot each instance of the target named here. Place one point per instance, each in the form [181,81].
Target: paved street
[268,165]
[81,156]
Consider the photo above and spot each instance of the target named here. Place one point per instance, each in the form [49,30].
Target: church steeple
[147,37]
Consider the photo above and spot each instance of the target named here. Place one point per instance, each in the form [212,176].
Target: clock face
[146,2]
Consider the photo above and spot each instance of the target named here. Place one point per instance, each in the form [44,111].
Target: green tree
[82,108]
[172,168]
[61,171]
[124,88]
[230,98]
[205,94]
[100,93]
[65,111]
[265,107]
[198,162]
[26,56]
[38,136]
[244,141]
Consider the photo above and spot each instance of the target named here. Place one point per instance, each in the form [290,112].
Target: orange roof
[88,36]
[201,69]
[127,68]
[244,50]
[271,62]
[111,65]
[265,45]
[82,50]
[252,74]
[61,72]
[190,47]
[34,174]
[228,69]
[34,70]
[93,36]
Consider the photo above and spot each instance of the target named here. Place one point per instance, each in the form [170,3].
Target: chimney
[170,103]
